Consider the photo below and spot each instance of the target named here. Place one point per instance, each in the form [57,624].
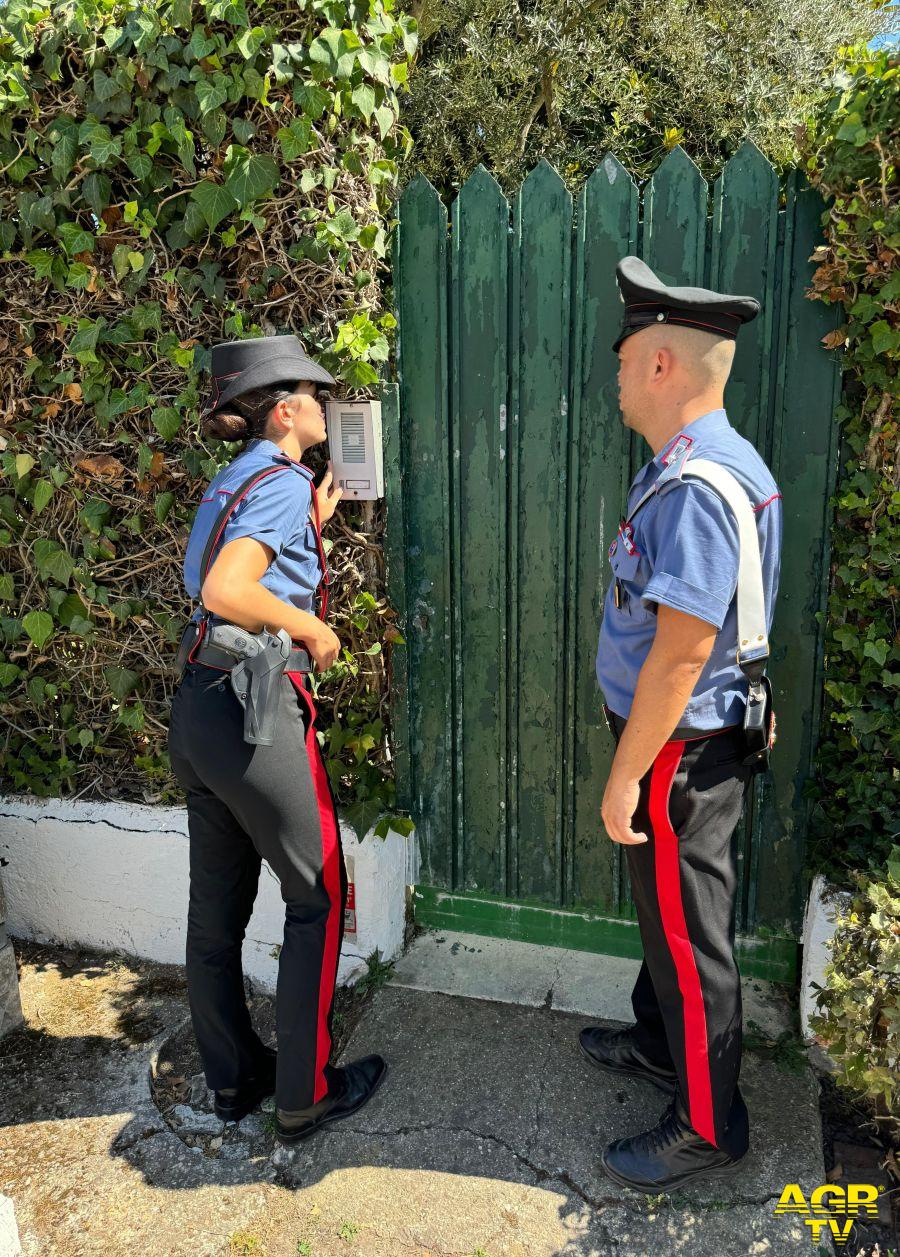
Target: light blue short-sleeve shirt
[276,512]
[681,550]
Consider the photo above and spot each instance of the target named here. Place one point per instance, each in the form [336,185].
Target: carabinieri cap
[649,301]
[240,365]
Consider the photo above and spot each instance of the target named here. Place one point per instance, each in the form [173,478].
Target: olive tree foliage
[506,83]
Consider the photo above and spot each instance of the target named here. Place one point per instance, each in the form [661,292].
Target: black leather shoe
[233,1103]
[668,1157]
[348,1090]
[614,1051]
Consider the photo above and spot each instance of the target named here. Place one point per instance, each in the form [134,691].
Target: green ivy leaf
[358,374]
[52,560]
[70,608]
[211,93]
[385,119]
[43,492]
[252,178]
[214,201]
[94,514]
[121,681]
[363,98]
[312,99]
[163,505]
[166,420]
[294,140]
[39,627]
[399,824]
[877,650]
[362,816]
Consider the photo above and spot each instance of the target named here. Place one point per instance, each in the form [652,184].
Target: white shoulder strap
[753,642]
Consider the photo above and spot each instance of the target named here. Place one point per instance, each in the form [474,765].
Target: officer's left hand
[328,494]
[620,800]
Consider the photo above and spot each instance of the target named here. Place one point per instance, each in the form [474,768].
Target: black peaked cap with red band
[649,301]
[239,365]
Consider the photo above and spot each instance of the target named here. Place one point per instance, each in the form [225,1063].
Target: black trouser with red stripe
[247,803]
[687,998]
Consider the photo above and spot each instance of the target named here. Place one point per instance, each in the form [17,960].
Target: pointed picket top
[675,202]
[677,170]
[751,157]
[544,183]
[745,225]
[481,184]
[480,199]
[420,196]
[611,174]
[609,193]
[749,170]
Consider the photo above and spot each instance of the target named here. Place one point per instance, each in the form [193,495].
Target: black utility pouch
[759,720]
[189,639]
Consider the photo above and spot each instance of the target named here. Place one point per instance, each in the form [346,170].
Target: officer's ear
[663,362]
[282,416]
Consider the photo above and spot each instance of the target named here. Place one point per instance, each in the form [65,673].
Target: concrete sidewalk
[482,1142]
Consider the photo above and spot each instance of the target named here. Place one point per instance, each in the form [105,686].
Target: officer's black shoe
[233,1103]
[348,1090]
[670,1156]
[615,1051]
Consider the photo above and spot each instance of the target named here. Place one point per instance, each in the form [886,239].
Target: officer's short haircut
[706,356]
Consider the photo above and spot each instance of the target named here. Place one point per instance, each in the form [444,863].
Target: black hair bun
[226,426]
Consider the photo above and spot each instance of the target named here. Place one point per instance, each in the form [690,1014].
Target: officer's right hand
[324,645]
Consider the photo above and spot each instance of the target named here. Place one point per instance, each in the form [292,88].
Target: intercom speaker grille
[353,437]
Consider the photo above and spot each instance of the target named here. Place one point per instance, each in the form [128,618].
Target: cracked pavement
[484,1139]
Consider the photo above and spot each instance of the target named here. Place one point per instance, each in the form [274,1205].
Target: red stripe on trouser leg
[331,879]
[671,911]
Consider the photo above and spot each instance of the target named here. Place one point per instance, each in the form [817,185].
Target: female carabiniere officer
[255,560]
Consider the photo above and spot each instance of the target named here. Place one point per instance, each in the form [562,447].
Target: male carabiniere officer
[675,699]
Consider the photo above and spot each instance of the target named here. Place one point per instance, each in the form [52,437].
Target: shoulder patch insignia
[678,450]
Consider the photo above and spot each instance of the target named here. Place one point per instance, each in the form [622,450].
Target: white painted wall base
[824,904]
[9,1232]
[114,876]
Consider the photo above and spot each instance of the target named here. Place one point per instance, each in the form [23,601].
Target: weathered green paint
[744,258]
[480,220]
[420,270]
[772,958]
[538,447]
[607,227]
[507,516]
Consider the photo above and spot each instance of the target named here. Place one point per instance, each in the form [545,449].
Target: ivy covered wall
[174,173]
[850,151]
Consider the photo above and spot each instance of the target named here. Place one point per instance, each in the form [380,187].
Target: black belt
[617,724]
[215,657]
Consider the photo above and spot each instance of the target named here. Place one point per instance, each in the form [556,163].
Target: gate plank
[607,229]
[421,260]
[745,260]
[544,213]
[480,228]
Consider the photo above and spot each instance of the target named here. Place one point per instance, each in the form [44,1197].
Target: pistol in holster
[256,681]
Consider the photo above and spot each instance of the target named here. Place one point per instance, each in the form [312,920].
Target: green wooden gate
[508,466]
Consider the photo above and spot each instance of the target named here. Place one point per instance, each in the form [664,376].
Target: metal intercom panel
[354,445]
